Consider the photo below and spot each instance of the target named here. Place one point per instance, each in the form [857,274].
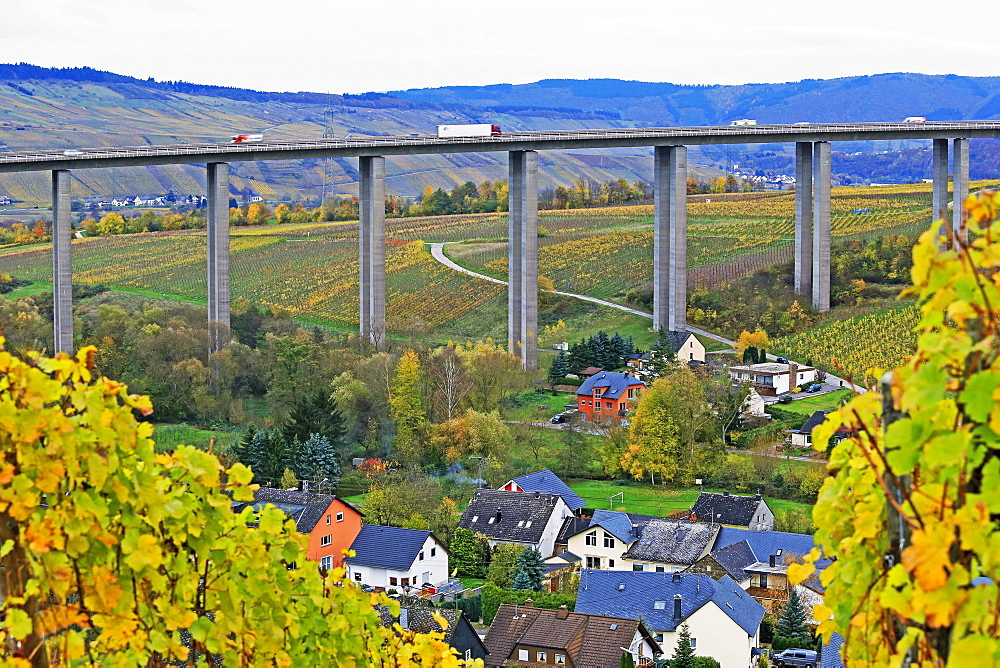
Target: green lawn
[169,436]
[647,500]
[822,402]
[536,407]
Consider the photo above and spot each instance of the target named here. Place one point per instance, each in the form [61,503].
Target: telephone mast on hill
[328,133]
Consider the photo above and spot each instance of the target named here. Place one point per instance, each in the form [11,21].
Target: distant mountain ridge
[53,108]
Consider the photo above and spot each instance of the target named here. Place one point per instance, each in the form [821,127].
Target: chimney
[677,606]
[793,375]
[771,559]
[676,577]
[530,603]
[499,515]
[562,612]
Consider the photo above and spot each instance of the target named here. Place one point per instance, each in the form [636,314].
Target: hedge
[493,597]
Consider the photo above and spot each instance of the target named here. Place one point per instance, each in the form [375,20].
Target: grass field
[822,402]
[169,436]
[647,500]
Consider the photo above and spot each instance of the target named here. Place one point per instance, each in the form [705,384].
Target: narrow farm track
[437,252]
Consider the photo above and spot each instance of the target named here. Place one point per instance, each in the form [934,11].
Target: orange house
[331,523]
[608,396]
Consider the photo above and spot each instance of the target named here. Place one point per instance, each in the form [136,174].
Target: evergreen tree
[559,368]
[580,356]
[603,355]
[619,349]
[316,460]
[750,355]
[528,570]
[273,455]
[244,451]
[626,661]
[683,653]
[314,413]
[792,623]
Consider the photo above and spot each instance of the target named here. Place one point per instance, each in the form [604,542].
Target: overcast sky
[375,45]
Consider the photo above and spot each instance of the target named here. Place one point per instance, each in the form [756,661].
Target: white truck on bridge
[477,130]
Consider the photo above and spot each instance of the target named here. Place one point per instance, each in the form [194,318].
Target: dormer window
[591,539]
[475,517]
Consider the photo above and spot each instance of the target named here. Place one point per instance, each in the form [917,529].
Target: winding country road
[437,252]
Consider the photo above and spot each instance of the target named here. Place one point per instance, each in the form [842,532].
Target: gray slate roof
[676,339]
[634,596]
[766,543]
[305,508]
[815,420]
[673,541]
[547,482]
[617,384]
[391,548]
[517,517]
[726,508]
[616,523]
[734,558]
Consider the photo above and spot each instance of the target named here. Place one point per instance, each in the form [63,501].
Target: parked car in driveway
[815,387]
[557,419]
[781,360]
[795,657]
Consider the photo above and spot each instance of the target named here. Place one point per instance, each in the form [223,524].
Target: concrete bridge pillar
[939,177]
[803,216]
[522,289]
[218,255]
[960,183]
[821,227]
[62,271]
[371,248]
[670,238]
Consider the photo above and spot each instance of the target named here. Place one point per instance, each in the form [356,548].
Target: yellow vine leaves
[113,555]
[910,511]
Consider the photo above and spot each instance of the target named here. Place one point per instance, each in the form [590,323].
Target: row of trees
[599,350]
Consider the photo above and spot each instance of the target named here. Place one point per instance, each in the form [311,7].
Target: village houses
[528,519]
[773,378]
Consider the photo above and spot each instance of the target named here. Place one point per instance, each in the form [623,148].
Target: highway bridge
[812,207]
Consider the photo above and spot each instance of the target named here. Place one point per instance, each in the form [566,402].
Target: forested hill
[881,97]
[81,107]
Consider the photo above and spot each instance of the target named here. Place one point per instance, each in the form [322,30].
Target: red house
[331,524]
[607,396]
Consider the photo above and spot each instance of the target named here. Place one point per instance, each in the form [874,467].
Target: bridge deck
[129,156]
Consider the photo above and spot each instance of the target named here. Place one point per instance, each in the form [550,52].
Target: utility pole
[480,461]
[328,133]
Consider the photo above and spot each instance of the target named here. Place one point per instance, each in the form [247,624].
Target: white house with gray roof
[628,542]
[724,621]
[530,519]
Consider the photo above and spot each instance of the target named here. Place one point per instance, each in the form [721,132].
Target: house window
[357,576]
[631,393]
[609,540]
[592,538]
[560,659]
[327,519]
[393,581]
[611,563]
[694,643]
[421,555]
[608,404]
[660,569]
[594,562]
[637,567]
[326,540]
[522,655]
[658,637]
[433,552]
[326,562]
[406,582]
[541,657]
[763,581]
[621,407]
[597,406]
[340,517]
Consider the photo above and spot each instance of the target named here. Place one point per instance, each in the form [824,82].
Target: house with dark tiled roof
[724,621]
[331,523]
[395,558]
[529,636]
[758,561]
[672,545]
[614,540]
[733,510]
[608,396]
[686,345]
[546,482]
[529,519]
[802,437]
[460,633]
